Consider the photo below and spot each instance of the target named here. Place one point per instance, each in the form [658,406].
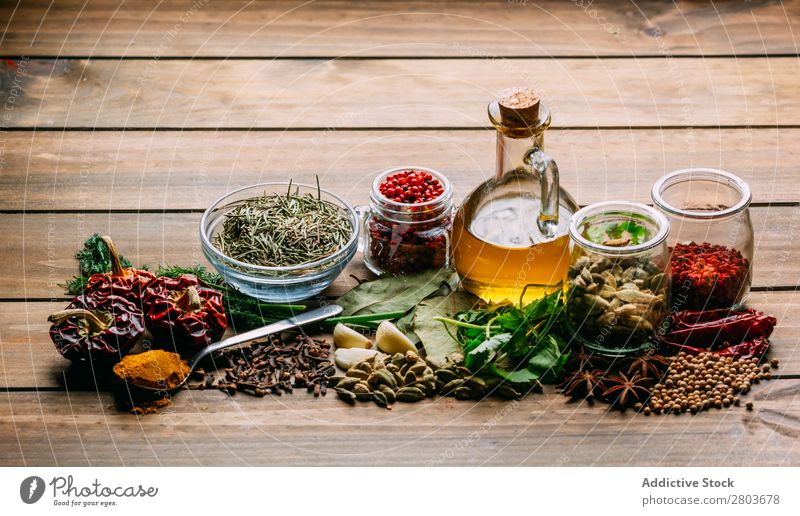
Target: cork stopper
[519,106]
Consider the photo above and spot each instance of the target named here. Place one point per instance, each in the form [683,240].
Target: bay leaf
[435,339]
[393,293]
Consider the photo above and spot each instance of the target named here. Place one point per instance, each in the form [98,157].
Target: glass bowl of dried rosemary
[280,242]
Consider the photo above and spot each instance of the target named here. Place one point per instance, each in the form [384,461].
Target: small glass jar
[407,238]
[711,237]
[618,278]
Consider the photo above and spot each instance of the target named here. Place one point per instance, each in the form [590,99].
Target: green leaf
[545,355]
[599,233]
[406,325]
[637,232]
[596,234]
[435,339]
[485,351]
[520,376]
[393,293]
[511,320]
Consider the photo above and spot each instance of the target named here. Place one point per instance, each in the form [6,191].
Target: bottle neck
[512,152]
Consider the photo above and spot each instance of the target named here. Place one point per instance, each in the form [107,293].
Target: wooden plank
[29,360]
[208,429]
[400,92]
[188,170]
[38,253]
[411,28]
[40,256]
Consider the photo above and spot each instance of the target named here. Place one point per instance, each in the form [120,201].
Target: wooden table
[129,120]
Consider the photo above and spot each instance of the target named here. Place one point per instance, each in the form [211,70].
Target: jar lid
[656,225]
[697,176]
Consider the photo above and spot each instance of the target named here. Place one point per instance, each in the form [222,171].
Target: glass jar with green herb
[618,279]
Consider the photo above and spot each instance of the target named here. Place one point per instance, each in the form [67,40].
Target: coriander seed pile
[695,383]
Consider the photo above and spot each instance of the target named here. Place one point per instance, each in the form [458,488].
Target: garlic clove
[346,358]
[346,337]
[391,340]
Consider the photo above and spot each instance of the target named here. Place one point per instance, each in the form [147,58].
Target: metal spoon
[318,314]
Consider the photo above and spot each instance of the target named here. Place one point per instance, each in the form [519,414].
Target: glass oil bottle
[511,233]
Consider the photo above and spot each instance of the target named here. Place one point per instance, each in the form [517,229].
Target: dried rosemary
[283,230]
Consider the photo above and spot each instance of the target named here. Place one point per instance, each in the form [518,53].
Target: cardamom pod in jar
[618,278]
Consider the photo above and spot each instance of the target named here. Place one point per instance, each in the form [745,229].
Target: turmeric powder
[155,369]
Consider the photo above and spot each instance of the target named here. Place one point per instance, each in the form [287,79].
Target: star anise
[649,365]
[584,384]
[582,360]
[625,391]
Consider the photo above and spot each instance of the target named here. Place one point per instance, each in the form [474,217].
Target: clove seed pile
[274,367]
[695,383]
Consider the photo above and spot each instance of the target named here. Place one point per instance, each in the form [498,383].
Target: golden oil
[498,251]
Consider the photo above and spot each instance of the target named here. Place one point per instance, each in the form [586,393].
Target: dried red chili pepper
[184,311]
[708,276]
[124,282]
[738,334]
[720,326]
[755,348]
[96,328]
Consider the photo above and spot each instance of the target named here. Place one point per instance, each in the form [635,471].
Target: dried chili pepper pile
[184,311]
[106,321]
[96,328]
[707,275]
[738,334]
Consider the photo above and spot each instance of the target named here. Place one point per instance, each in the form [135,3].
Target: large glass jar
[711,237]
[407,238]
[618,278]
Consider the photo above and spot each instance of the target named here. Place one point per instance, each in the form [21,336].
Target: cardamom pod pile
[406,377]
[620,302]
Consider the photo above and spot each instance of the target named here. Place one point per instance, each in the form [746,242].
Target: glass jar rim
[610,207]
[205,237]
[709,174]
[401,207]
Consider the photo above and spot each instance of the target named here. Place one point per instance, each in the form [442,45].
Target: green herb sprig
[601,233]
[520,344]
[283,230]
[93,258]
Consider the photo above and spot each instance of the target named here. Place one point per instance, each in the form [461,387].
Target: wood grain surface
[28,358]
[207,428]
[38,254]
[129,118]
[402,93]
[147,170]
[192,28]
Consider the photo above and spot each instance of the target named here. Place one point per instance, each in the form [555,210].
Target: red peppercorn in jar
[408,222]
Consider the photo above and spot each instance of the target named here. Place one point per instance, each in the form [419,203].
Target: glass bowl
[276,284]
